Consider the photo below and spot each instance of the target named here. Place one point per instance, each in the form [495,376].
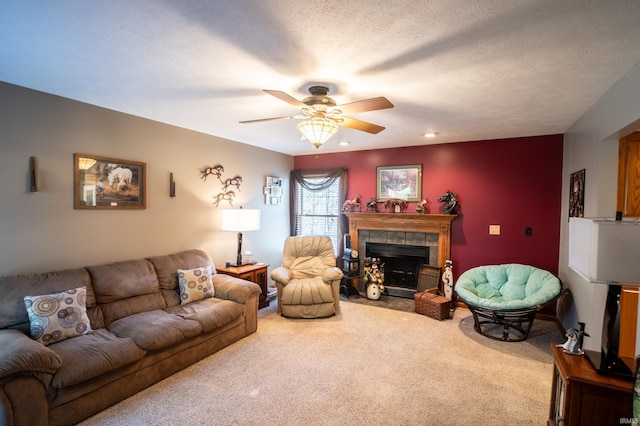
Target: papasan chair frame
[512,308]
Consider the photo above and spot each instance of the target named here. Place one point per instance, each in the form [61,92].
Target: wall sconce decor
[33,174]
[172,186]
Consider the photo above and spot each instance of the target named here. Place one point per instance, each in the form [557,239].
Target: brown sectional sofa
[141,335]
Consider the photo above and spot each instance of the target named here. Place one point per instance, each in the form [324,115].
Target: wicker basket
[432,304]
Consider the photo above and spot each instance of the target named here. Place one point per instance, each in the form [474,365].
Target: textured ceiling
[468,70]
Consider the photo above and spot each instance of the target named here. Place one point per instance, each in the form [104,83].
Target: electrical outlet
[494,229]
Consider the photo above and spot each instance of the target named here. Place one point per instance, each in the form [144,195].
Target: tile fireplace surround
[431,230]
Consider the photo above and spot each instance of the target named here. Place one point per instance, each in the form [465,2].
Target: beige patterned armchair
[308,281]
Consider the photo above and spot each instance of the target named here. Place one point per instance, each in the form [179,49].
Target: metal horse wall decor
[234,181]
[225,195]
[216,170]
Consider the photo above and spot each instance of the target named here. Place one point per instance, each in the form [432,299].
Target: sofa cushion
[195,284]
[13,289]
[58,316]
[20,353]
[156,329]
[210,313]
[126,288]
[91,355]
[167,267]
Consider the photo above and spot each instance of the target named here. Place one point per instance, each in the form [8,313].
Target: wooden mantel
[405,222]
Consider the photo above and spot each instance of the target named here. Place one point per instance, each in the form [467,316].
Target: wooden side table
[581,396]
[256,273]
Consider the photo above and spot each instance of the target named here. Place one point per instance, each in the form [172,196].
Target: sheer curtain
[327,178]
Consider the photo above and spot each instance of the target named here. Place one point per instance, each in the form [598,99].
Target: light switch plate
[494,229]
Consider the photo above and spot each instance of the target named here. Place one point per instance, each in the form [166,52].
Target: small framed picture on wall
[576,194]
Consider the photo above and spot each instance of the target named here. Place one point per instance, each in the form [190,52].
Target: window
[318,212]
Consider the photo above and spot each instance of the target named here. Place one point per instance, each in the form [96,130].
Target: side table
[256,273]
[580,396]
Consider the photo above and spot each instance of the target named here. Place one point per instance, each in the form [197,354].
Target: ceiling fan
[319,109]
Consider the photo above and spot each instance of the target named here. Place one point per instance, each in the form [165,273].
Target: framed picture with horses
[399,182]
[108,183]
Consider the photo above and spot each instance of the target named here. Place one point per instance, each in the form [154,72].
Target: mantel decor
[108,183]
[401,182]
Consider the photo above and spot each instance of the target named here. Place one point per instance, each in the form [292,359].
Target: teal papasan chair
[504,299]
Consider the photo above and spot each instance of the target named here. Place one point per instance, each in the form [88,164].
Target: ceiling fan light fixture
[318,130]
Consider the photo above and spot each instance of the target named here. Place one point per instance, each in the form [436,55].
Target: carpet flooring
[367,365]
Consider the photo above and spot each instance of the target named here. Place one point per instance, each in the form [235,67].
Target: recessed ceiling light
[344,143]
[430,135]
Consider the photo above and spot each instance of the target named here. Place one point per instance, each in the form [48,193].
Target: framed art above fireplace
[399,182]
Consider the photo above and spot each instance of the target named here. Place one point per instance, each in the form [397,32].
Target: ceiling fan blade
[290,117]
[361,125]
[365,105]
[287,98]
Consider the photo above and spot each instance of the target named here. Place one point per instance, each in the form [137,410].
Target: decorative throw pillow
[195,284]
[58,316]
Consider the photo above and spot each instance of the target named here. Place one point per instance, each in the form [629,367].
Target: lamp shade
[605,250]
[240,220]
[318,130]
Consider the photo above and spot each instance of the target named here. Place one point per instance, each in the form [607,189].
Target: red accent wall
[515,183]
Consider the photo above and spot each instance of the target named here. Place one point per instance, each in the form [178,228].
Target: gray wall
[42,231]
[592,144]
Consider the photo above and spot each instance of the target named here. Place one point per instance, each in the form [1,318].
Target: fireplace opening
[401,266]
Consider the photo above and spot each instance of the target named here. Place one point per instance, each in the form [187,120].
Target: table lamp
[605,251]
[240,220]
